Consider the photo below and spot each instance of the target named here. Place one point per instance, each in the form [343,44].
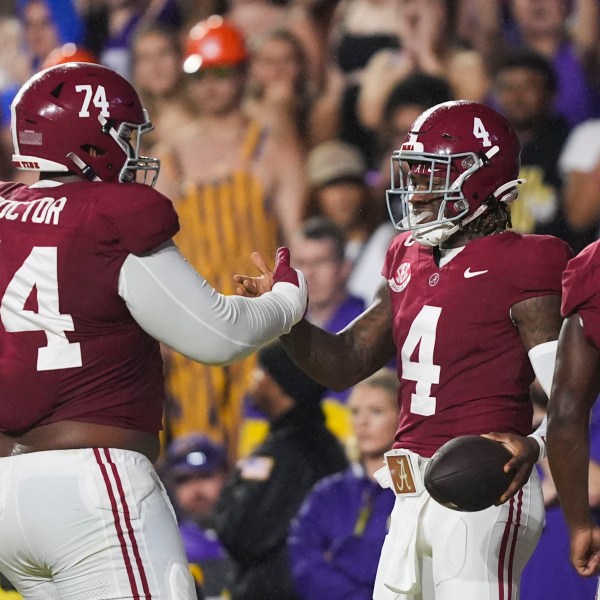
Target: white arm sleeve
[543,358]
[178,307]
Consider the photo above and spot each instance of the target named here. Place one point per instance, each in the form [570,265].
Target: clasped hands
[258,285]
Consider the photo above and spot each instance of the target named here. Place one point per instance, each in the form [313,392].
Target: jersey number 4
[424,371]
[39,271]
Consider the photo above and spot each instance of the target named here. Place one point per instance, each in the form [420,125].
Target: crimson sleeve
[538,267]
[142,218]
[581,291]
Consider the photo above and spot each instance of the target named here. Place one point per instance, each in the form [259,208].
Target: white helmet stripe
[416,127]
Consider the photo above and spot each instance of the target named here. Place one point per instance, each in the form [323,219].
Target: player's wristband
[295,295]
[541,442]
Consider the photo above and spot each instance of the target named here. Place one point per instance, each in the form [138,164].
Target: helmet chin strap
[85,169]
[505,193]
[437,234]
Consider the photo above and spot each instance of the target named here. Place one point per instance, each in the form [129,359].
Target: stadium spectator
[566,33]
[321,245]
[267,487]
[359,28]
[157,75]
[195,471]
[334,553]
[430,46]
[258,18]
[279,92]
[318,248]
[46,25]
[49,24]
[405,102]
[579,167]
[337,175]
[110,26]
[524,89]
[236,189]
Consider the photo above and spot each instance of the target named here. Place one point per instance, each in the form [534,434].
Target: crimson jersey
[461,363]
[69,348]
[581,291]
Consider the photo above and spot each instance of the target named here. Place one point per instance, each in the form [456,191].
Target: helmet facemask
[447,176]
[129,137]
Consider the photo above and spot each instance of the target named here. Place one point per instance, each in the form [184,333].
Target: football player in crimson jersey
[471,312]
[575,388]
[90,282]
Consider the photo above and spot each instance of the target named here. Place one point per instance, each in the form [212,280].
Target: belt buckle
[404,471]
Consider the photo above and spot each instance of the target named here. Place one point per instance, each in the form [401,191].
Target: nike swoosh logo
[409,241]
[469,273]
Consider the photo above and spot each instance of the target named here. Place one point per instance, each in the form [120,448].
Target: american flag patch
[257,468]
[30,137]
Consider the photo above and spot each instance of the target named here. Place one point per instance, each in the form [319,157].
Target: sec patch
[401,277]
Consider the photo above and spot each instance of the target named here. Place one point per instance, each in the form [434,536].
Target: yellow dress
[222,223]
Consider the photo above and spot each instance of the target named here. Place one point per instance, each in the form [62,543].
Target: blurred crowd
[274,123]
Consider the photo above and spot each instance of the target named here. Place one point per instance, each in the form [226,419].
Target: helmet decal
[97,96]
[480,132]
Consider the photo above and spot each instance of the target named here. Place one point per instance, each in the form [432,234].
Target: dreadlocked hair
[494,220]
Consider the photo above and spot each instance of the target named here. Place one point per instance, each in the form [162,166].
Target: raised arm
[283,169]
[339,360]
[584,29]
[179,308]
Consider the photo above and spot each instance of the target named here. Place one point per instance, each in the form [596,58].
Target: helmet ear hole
[93,150]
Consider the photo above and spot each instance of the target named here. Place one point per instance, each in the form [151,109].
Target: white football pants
[89,524]
[471,555]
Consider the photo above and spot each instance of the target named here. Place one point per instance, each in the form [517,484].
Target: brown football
[467,473]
